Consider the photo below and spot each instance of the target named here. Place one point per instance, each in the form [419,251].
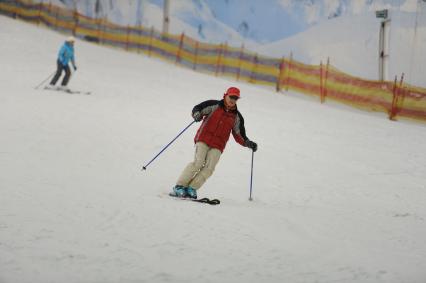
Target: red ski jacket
[218,123]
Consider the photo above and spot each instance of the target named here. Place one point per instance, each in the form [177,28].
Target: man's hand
[252,145]
[197,116]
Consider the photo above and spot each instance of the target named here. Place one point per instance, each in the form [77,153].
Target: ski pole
[45,80]
[145,166]
[251,176]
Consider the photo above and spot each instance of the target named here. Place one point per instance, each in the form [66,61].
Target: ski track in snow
[339,194]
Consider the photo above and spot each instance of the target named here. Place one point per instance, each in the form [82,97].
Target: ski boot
[180,191]
[191,193]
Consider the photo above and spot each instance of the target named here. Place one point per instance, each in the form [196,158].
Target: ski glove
[197,116]
[75,68]
[252,145]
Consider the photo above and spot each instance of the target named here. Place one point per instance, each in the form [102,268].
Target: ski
[78,92]
[70,91]
[201,200]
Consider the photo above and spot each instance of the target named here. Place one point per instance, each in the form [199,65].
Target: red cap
[232,91]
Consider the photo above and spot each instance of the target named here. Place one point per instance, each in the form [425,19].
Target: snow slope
[339,194]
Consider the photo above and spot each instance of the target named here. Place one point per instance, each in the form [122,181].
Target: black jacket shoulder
[202,105]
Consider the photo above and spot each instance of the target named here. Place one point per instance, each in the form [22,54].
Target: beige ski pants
[197,172]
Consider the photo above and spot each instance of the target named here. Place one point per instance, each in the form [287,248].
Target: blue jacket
[66,53]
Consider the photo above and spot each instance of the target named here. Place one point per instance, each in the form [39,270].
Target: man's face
[231,100]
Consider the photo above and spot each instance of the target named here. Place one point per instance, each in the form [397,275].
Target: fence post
[280,73]
[127,37]
[39,13]
[392,110]
[225,48]
[98,33]
[321,85]
[49,11]
[194,67]
[17,12]
[76,20]
[56,18]
[178,54]
[138,41]
[218,61]
[324,90]
[104,23]
[239,61]
[288,71]
[151,34]
[253,70]
[396,94]
[400,94]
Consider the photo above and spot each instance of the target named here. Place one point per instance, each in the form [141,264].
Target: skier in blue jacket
[66,54]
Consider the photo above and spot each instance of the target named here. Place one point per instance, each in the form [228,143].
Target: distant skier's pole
[45,80]
[145,166]
[251,176]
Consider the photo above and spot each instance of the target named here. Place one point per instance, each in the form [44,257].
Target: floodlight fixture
[383,13]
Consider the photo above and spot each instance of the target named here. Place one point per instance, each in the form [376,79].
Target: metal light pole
[383,50]
[166,19]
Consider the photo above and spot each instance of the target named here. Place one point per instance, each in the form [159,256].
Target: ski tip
[214,202]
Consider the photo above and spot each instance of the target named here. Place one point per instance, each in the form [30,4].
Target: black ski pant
[58,74]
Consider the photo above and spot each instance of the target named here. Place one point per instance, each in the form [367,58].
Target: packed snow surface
[339,194]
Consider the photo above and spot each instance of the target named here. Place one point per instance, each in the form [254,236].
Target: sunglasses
[234,97]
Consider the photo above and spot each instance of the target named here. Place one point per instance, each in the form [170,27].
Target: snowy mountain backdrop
[258,21]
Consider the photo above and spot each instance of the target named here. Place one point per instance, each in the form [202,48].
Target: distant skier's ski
[202,200]
[78,92]
[70,91]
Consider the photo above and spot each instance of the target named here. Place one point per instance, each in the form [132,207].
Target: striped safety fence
[395,98]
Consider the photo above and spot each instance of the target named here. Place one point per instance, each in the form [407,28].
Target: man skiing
[66,54]
[220,119]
